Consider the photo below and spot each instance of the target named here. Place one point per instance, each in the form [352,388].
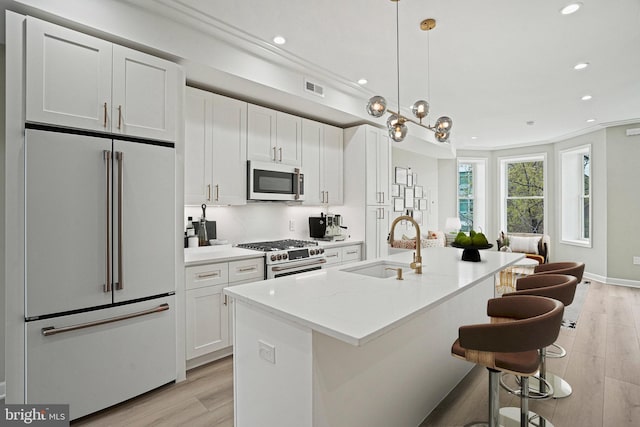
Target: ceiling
[493,65]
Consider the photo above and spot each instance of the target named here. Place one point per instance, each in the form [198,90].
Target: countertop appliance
[326,227]
[273,182]
[287,257]
[100,250]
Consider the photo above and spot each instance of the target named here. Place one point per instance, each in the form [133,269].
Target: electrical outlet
[292,225]
[636,260]
[267,351]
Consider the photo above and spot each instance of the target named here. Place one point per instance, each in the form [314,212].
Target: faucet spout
[416,265]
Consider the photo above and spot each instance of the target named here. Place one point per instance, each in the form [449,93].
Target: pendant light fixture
[377,105]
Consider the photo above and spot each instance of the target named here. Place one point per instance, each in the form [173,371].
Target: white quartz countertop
[356,308]
[219,253]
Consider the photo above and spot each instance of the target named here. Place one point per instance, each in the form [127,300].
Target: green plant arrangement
[471,245]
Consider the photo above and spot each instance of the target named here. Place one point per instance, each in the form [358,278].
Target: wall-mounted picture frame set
[407,194]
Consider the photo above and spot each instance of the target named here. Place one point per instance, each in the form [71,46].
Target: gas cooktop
[278,245]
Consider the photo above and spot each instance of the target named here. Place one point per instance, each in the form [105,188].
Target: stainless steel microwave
[274,181]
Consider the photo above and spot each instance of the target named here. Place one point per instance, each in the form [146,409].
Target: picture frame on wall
[401,175]
[398,204]
[417,217]
[410,177]
[408,198]
[417,192]
[423,205]
[395,190]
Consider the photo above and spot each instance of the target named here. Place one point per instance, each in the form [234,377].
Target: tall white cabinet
[215,149]
[76,80]
[367,158]
[322,163]
[274,136]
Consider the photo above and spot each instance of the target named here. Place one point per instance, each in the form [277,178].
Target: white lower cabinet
[343,255]
[208,315]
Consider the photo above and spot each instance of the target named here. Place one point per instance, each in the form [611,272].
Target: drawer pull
[332,256]
[351,252]
[245,269]
[207,275]
[51,330]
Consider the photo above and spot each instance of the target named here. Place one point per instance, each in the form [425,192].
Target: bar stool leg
[512,416]
[494,401]
[561,388]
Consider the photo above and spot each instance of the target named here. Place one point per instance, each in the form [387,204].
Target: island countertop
[355,308]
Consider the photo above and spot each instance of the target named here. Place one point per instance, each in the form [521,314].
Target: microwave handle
[296,171]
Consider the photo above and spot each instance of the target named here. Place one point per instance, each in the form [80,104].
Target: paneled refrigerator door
[67,187]
[144,220]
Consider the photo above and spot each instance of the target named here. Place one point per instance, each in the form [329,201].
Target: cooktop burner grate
[278,245]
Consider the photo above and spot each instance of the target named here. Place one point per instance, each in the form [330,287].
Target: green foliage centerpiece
[471,245]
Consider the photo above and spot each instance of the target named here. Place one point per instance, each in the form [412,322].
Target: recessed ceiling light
[581,66]
[279,40]
[591,120]
[586,97]
[474,137]
[363,81]
[531,122]
[570,8]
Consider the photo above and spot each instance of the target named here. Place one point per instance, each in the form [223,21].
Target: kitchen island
[342,347]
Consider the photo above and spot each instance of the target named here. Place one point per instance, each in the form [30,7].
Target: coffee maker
[326,227]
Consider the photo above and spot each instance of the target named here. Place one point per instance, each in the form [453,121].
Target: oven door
[271,181]
[295,267]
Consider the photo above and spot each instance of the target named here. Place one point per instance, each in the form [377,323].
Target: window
[523,196]
[472,193]
[575,169]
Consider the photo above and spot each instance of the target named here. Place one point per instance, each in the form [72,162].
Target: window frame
[479,173]
[502,165]
[568,215]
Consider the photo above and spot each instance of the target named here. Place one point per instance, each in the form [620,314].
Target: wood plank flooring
[602,365]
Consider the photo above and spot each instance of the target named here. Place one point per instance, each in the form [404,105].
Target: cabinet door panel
[68,77]
[312,135]
[229,158]
[198,147]
[144,95]
[148,226]
[207,321]
[261,136]
[288,137]
[332,165]
[372,139]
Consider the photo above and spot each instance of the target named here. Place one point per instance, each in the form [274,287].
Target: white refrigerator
[100,268]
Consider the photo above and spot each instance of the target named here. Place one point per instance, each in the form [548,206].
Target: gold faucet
[416,265]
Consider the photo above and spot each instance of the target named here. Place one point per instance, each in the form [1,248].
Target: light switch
[267,351]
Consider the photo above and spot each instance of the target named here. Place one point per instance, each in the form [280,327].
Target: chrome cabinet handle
[104,124]
[50,330]
[280,149]
[119,117]
[318,262]
[207,275]
[107,284]
[120,158]
[274,154]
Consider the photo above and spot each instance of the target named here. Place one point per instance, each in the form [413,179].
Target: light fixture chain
[428,72]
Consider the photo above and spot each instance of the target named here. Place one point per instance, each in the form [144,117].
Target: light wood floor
[602,365]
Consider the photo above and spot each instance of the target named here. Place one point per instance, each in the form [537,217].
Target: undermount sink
[379,269]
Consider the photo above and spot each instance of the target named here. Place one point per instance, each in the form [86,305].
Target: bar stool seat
[520,325]
[561,287]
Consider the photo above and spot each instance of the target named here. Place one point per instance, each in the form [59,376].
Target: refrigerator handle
[107,284]
[120,282]
[51,330]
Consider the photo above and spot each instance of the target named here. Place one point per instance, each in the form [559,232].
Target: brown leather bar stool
[575,269]
[561,287]
[520,325]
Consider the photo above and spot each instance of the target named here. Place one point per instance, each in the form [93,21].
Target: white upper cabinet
[80,81]
[274,136]
[378,167]
[322,163]
[215,149]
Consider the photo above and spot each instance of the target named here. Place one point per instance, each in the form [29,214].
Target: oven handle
[278,268]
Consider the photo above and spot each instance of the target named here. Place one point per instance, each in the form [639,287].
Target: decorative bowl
[471,252]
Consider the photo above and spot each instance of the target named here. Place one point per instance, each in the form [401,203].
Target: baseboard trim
[612,280]
[3,389]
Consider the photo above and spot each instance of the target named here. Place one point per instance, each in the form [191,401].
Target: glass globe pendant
[397,128]
[444,124]
[420,109]
[377,106]
[442,136]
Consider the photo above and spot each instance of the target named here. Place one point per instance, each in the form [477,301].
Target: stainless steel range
[287,257]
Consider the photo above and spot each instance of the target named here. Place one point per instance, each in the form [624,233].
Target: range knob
[312,251]
[320,251]
[279,256]
[273,258]
[285,256]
